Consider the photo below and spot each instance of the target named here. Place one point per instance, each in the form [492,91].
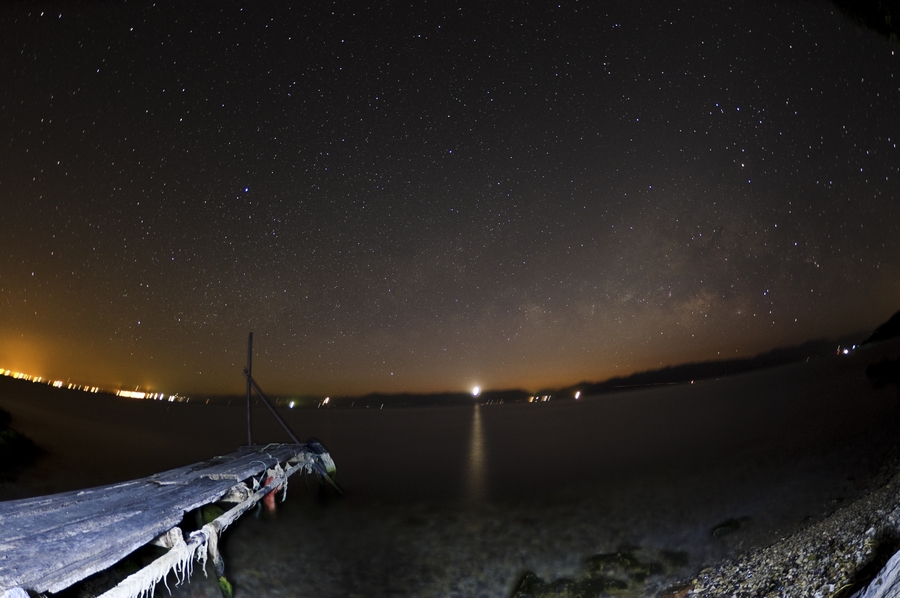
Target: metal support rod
[271,407]
[248,372]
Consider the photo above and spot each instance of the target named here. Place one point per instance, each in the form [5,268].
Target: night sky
[428,196]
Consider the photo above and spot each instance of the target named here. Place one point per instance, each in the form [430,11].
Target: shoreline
[837,556]
[775,450]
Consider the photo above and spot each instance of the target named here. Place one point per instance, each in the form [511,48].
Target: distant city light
[577,395]
[476,391]
[130,394]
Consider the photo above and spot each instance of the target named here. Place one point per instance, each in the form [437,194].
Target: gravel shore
[834,557]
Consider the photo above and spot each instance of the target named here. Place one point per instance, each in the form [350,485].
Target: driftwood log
[49,543]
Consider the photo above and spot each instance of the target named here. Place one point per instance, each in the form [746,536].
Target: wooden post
[249,389]
[271,407]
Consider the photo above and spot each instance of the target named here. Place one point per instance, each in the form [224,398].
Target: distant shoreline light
[53,383]
[154,396]
[130,394]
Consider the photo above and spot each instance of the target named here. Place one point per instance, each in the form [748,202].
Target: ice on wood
[49,543]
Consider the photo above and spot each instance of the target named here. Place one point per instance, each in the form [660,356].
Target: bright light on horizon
[476,391]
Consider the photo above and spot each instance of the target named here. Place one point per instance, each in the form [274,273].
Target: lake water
[461,501]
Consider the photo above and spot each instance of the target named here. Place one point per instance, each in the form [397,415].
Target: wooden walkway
[49,543]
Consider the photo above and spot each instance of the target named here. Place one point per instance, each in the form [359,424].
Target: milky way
[429,198]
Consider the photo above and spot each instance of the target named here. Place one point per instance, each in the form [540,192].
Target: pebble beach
[835,557]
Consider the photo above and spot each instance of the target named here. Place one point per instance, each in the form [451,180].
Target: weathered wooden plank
[49,543]
[184,550]
[106,526]
[31,516]
[25,523]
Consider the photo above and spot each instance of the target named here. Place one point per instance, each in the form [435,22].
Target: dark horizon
[677,373]
[855,337]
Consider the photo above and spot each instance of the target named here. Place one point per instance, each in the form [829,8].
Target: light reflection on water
[476,475]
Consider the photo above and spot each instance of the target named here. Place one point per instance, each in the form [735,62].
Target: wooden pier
[49,543]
